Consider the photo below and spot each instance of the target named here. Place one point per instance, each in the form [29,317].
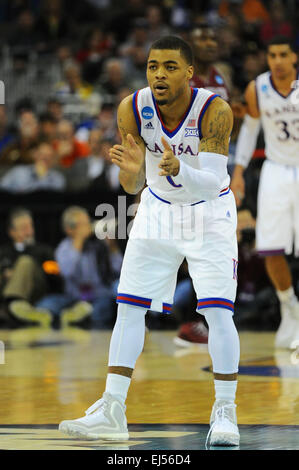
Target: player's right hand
[129,158]
[238,188]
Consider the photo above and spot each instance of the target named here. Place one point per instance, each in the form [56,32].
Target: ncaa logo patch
[147,112]
[218,79]
[265,90]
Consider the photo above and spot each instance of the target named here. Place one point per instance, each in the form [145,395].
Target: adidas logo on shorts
[149,126]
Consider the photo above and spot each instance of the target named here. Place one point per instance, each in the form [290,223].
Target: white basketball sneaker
[288,330]
[105,419]
[223,425]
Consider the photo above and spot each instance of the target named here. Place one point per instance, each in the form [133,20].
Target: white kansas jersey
[280,121]
[184,141]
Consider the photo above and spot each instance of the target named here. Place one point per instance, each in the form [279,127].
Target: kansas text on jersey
[184,141]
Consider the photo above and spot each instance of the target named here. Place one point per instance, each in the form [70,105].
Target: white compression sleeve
[205,183]
[127,338]
[224,344]
[247,138]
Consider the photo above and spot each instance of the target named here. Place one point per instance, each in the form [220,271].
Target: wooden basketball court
[51,375]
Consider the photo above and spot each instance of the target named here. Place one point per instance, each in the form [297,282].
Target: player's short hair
[175,43]
[280,39]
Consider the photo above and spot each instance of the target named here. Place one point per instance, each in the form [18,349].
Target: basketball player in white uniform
[274,104]
[176,138]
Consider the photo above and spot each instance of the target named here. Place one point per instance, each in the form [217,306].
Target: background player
[273,103]
[160,127]
[204,44]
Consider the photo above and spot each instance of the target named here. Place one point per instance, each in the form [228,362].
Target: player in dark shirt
[205,49]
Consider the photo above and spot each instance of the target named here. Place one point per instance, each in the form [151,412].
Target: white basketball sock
[118,386]
[287,296]
[223,343]
[225,390]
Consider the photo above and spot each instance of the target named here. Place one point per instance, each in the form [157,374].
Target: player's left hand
[169,164]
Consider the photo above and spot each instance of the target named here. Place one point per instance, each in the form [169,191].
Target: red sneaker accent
[192,333]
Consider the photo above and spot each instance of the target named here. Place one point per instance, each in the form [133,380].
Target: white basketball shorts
[277,225]
[162,235]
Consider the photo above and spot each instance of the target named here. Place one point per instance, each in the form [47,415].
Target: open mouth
[160,88]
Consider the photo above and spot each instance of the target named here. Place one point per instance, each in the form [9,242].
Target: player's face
[204,44]
[281,60]
[168,75]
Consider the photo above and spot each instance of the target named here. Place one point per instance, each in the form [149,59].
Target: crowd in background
[66,66]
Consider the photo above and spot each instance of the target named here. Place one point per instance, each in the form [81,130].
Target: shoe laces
[100,404]
[222,414]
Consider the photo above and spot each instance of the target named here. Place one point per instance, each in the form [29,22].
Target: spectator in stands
[156,27]
[55,109]
[24,104]
[123,18]
[95,49]
[113,78]
[278,25]
[138,37]
[77,96]
[111,170]
[106,120]
[67,146]
[252,65]
[20,150]
[95,171]
[136,48]
[122,93]
[6,134]
[53,26]
[72,83]
[231,50]
[12,8]
[37,176]
[90,268]
[23,38]
[137,68]
[252,11]
[27,271]
[63,55]
[48,127]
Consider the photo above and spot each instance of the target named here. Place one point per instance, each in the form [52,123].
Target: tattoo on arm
[124,133]
[217,132]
